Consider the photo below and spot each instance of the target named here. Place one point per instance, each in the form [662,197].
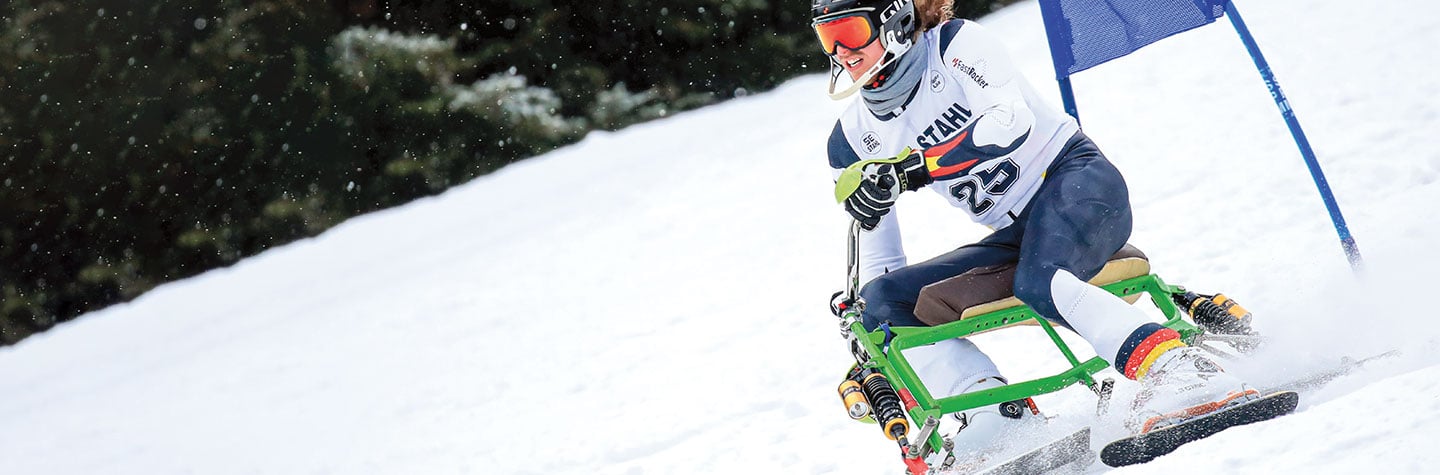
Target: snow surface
[653,301]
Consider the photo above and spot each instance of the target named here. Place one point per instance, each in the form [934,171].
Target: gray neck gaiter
[897,90]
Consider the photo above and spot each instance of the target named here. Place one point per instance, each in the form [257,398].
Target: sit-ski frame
[872,351]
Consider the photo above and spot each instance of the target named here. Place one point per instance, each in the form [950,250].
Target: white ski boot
[1182,384]
[981,434]
[957,366]
[982,429]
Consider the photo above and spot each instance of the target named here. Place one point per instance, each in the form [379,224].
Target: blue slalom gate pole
[1347,242]
[1067,95]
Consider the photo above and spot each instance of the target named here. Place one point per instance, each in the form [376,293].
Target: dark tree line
[142,142]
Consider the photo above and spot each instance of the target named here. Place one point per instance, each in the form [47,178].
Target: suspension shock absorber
[885,405]
[1217,313]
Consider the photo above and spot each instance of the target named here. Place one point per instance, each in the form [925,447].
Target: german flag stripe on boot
[1143,347]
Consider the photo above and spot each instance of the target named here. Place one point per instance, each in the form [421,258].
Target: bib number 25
[995,182]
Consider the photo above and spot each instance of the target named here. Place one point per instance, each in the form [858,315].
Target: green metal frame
[893,365]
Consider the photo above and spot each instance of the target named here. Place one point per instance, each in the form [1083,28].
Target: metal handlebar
[852,278]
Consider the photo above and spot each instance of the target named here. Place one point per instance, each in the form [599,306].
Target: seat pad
[987,289]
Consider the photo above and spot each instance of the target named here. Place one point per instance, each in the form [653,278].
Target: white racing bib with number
[987,137]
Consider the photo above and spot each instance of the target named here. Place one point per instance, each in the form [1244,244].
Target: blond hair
[934,12]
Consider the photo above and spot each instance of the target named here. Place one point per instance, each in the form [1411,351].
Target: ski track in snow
[652,301]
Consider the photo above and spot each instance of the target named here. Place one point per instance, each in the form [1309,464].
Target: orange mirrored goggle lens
[852,32]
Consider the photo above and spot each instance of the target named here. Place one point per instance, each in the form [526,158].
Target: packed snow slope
[654,300]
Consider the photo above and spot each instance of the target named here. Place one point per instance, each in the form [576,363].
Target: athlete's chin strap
[894,50]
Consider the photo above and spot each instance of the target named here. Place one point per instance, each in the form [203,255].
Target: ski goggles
[851,31]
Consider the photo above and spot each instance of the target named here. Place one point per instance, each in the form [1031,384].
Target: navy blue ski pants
[1078,218]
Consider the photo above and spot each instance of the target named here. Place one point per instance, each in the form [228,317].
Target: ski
[1146,447]
[1321,378]
[1066,450]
